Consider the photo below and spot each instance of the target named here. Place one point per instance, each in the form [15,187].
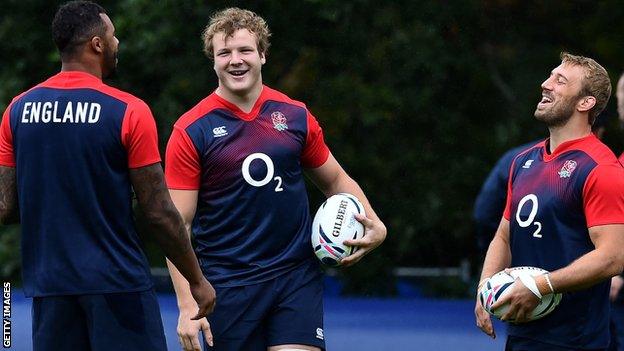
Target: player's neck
[81,67]
[576,128]
[245,102]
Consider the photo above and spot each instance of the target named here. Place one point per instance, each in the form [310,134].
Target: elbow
[615,265]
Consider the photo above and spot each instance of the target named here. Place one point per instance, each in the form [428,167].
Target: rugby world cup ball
[334,223]
[500,284]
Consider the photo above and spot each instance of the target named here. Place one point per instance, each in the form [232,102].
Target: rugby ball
[334,223]
[500,284]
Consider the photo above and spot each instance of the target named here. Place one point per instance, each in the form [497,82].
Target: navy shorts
[515,343]
[284,310]
[120,321]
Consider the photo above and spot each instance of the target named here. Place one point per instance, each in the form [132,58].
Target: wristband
[547,276]
[529,282]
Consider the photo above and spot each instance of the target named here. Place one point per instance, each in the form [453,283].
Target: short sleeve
[603,195]
[315,151]
[182,166]
[139,135]
[7,157]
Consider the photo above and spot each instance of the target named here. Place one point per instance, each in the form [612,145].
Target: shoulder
[610,172]
[527,152]
[607,168]
[600,153]
[201,109]
[24,94]
[123,96]
[510,155]
[16,101]
[274,95]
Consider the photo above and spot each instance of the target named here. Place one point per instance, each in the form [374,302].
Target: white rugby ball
[334,223]
[500,284]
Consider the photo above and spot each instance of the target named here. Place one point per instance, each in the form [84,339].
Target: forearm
[498,256]
[172,237]
[164,220]
[605,261]
[589,269]
[181,287]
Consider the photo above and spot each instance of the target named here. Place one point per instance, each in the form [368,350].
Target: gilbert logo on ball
[334,223]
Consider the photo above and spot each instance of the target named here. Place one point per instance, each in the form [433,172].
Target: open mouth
[238,73]
[545,101]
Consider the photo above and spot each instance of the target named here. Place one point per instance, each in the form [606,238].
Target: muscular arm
[331,179]
[605,261]
[9,211]
[167,225]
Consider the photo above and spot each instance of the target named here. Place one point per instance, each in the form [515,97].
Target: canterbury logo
[219,131]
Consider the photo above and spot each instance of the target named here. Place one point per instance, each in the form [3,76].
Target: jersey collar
[71,79]
[240,113]
[569,145]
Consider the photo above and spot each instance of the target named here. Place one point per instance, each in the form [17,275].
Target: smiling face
[238,64]
[560,94]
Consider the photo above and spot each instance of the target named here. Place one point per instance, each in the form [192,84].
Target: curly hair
[76,22]
[232,19]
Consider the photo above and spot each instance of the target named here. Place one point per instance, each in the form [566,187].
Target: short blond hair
[232,19]
[596,82]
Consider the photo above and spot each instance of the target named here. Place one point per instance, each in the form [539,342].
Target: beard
[110,63]
[557,114]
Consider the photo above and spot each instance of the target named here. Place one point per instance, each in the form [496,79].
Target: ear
[586,103]
[262,58]
[97,44]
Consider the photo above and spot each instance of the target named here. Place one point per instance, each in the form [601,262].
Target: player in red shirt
[234,166]
[565,214]
[72,149]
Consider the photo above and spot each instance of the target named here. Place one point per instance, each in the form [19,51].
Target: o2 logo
[269,174]
[529,200]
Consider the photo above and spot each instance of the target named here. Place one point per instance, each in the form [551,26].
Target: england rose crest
[279,121]
[568,167]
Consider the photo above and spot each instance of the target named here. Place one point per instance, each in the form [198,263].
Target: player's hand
[484,321]
[616,286]
[205,296]
[521,303]
[188,331]
[374,235]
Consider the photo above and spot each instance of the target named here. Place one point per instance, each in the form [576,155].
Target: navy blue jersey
[490,202]
[72,140]
[252,221]
[553,200]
